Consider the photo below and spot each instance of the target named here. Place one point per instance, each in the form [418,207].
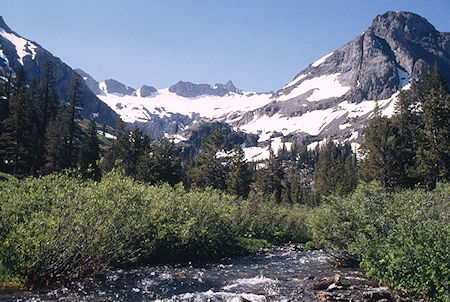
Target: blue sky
[259,45]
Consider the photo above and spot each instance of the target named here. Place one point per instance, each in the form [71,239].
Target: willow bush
[402,238]
[61,227]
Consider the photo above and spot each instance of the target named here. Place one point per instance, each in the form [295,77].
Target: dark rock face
[90,82]
[369,64]
[191,90]
[33,65]
[113,86]
[372,65]
[198,132]
[147,91]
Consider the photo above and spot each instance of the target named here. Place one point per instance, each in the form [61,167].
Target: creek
[280,274]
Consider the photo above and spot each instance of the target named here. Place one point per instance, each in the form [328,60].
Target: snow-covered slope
[333,98]
[18,52]
[164,103]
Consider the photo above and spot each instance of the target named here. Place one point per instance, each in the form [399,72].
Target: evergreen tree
[381,156]
[433,151]
[127,150]
[117,148]
[336,170]
[160,163]
[90,153]
[405,119]
[74,114]
[209,167]
[46,106]
[57,155]
[269,179]
[18,136]
[47,98]
[239,178]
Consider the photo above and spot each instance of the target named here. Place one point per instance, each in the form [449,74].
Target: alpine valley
[333,98]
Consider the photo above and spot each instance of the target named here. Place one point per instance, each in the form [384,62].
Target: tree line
[40,134]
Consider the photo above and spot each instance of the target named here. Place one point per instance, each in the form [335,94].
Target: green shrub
[59,226]
[402,238]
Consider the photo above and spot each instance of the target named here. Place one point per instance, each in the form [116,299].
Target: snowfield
[164,103]
[233,106]
[23,46]
[322,87]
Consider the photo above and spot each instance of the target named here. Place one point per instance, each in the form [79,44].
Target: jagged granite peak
[90,82]
[192,90]
[4,25]
[396,45]
[16,51]
[113,86]
[146,91]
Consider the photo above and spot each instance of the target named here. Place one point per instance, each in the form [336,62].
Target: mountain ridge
[332,98]
[16,51]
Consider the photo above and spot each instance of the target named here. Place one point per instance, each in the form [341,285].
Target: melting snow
[166,102]
[2,55]
[323,87]
[295,81]
[313,122]
[403,77]
[23,46]
[321,60]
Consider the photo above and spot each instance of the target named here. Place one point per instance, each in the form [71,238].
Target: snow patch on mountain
[403,77]
[163,103]
[5,58]
[321,60]
[313,122]
[323,87]
[23,46]
[295,81]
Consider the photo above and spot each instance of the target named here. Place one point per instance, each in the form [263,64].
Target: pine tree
[433,151]
[127,150]
[57,155]
[74,114]
[160,163]
[46,105]
[239,178]
[209,167]
[406,121]
[90,153]
[47,98]
[381,156]
[269,179]
[19,134]
[336,170]
[117,148]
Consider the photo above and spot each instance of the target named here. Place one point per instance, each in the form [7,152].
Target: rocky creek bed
[281,274]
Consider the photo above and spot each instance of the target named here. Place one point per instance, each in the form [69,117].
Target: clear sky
[259,45]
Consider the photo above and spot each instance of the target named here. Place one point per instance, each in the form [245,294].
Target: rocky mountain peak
[90,81]
[113,86]
[402,23]
[230,86]
[191,90]
[4,26]
[146,91]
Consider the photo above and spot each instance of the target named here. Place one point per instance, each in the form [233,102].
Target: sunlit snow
[295,81]
[403,77]
[133,108]
[321,60]
[323,87]
[23,46]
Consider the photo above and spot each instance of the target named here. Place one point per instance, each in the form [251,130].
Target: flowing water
[282,274]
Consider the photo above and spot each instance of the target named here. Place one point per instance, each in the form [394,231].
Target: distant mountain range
[332,98]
